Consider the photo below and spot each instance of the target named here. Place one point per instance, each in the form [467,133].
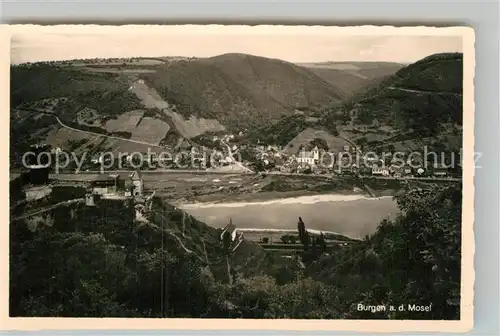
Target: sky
[300,44]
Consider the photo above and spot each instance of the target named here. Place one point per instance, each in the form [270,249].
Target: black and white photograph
[238,172]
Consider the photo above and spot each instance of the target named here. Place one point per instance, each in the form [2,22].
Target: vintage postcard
[238,177]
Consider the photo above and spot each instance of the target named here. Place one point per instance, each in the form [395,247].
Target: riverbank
[185,188]
[282,201]
[352,216]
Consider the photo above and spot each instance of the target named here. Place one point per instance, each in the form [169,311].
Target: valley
[235,186]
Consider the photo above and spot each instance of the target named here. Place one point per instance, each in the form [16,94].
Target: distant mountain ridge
[353,76]
[240,90]
[420,100]
[172,97]
[421,95]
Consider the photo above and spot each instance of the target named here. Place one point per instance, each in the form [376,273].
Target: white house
[407,170]
[310,158]
[376,170]
[56,150]
[229,229]
[35,193]
[137,183]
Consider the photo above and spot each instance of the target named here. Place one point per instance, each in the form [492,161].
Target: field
[115,62]
[335,144]
[120,71]
[189,127]
[125,122]
[150,130]
[63,138]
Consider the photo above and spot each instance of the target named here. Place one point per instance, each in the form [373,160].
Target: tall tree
[303,235]
[322,243]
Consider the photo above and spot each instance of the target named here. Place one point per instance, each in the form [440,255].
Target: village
[225,151]
[127,188]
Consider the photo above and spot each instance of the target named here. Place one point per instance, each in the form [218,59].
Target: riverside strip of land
[348,206]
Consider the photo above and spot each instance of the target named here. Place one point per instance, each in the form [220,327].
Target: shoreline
[303,200]
[313,231]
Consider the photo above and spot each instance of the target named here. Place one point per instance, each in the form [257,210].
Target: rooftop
[230,228]
[103,177]
[38,166]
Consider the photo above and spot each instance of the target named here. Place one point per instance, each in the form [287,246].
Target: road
[46,209]
[425,92]
[157,171]
[230,153]
[445,179]
[179,171]
[94,133]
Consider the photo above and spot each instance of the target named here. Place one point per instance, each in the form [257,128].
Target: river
[351,215]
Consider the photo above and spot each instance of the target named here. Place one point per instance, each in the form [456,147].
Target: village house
[369,159]
[131,185]
[440,170]
[420,171]
[56,150]
[38,164]
[380,170]
[105,184]
[285,168]
[347,169]
[228,137]
[230,229]
[396,170]
[311,158]
[407,171]
[137,183]
[35,193]
[91,198]
[235,237]
[354,168]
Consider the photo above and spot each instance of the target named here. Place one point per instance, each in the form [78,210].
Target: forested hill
[82,262]
[240,90]
[421,97]
[420,101]
[415,259]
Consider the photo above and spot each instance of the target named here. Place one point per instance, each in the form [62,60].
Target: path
[94,133]
[46,209]
[425,91]
[181,243]
[239,164]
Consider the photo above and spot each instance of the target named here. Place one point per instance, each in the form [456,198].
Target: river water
[351,215]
